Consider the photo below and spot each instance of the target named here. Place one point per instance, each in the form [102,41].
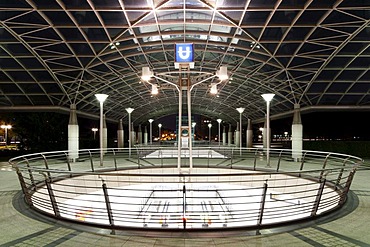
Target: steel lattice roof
[310,52]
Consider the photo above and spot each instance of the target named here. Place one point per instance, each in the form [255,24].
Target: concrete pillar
[73,134]
[224,135]
[230,136]
[249,134]
[297,134]
[120,135]
[139,135]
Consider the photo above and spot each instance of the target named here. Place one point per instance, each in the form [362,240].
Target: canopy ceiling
[310,52]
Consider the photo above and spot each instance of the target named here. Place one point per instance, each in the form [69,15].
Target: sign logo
[184,53]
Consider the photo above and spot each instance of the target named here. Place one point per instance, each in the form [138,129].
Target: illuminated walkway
[19,226]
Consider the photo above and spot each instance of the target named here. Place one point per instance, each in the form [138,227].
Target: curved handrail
[314,183]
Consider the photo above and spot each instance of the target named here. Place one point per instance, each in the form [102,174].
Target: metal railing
[227,186]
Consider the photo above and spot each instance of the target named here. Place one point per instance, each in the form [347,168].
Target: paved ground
[19,227]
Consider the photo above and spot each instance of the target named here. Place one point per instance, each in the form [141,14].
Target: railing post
[302,162]
[208,158]
[46,165]
[278,164]
[91,161]
[232,156]
[263,200]
[24,187]
[138,157]
[30,173]
[255,159]
[53,201]
[318,197]
[324,166]
[114,159]
[343,196]
[68,163]
[107,204]
[340,174]
[184,206]
[161,154]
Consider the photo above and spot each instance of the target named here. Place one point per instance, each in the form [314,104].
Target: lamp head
[146,74]
[7,126]
[154,89]
[240,110]
[129,110]
[213,89]
[219,120]
[268,96]
[101,97]
[160,125]
[150,120]
[222,73]
[209,125]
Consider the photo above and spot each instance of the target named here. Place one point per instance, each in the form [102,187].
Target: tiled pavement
[21,227]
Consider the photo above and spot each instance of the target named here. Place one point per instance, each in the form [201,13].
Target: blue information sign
[184,53]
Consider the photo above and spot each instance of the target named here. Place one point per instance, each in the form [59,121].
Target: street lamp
[240,110]
[101,98]
[209,135]
[150,130]
[129,111]
[160,135]
[94,130]
[219,131]
[6,127]
[268,97]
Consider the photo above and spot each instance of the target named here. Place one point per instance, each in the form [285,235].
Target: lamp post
[209,133]
[160,135]
[101,98]
[94,131]
[219,130]
[6,127]
[240,110]
[150,130]
[129,111]
[268,97]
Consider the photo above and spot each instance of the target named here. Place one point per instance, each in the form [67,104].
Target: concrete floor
[21,226]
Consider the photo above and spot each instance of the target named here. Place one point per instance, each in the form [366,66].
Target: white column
[264,134]
[133,135]
[224,136]
[297,134]
[230,136]
[120,135]
[145,136]
[249,134]
[73,134]
[139,135]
